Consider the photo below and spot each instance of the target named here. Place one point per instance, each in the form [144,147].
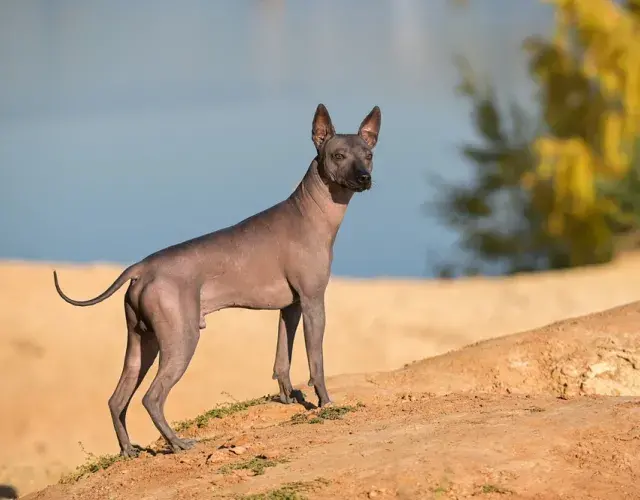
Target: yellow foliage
[609,40]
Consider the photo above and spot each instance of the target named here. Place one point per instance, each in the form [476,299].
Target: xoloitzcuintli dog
[278,259]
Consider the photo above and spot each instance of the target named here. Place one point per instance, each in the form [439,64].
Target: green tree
[561,189]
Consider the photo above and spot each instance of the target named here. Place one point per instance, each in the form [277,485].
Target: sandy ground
[59,365]
[533,415]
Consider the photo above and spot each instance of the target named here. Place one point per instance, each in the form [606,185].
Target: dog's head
[346,159]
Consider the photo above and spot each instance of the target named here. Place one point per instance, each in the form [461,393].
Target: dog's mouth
[357,187]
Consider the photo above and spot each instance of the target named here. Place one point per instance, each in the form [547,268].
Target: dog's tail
[127,274]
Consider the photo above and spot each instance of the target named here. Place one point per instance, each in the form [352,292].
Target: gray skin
[279,259]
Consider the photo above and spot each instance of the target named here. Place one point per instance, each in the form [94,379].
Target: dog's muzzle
[362,181]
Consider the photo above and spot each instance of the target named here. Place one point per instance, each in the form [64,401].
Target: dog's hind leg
[176,324]
[142,349]
[173,363]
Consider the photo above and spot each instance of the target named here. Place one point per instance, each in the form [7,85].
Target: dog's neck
[321,200]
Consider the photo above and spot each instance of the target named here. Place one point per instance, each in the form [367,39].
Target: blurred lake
[129,126]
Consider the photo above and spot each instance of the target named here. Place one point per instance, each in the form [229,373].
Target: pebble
[271,454]
[236,442]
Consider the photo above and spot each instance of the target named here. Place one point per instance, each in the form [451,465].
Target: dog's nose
[364,177]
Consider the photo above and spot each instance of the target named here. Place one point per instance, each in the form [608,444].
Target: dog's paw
[131,451]
[182,444]
[285,399]
[286,392]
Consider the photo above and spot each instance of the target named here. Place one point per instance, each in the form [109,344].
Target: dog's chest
[257,291]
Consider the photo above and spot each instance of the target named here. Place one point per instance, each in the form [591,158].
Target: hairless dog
[278,259]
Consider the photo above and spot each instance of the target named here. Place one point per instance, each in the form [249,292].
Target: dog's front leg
[287,325]
[313,320]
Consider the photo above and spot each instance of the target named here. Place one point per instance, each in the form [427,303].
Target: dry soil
[548,413]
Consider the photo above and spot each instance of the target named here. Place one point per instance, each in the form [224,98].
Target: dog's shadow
[8,491]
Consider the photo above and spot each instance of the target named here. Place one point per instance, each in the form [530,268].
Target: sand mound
[598,354]
[541,414]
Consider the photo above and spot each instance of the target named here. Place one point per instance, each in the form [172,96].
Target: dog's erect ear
[322,128]
[370,127]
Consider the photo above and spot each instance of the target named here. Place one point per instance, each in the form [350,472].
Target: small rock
[241,474]
[214,457]
[373,494]
[216,479]
[600,368]
[238,450]
[270,454]
[185,461]
[239,441]
[570,371]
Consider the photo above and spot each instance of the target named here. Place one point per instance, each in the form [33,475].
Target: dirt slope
[59,364]
[541,414]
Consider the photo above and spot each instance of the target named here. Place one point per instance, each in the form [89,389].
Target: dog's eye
[368,156]
[338,156]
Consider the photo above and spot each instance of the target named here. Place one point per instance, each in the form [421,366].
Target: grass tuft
[299,418]
[257,465]
[536,409]
[290,491]
[221,411]
[93,464]
[327,413]
[442,489]
[334,412]
[492,488]
[283,493]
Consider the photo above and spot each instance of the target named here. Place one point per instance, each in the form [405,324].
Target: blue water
[128,126]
